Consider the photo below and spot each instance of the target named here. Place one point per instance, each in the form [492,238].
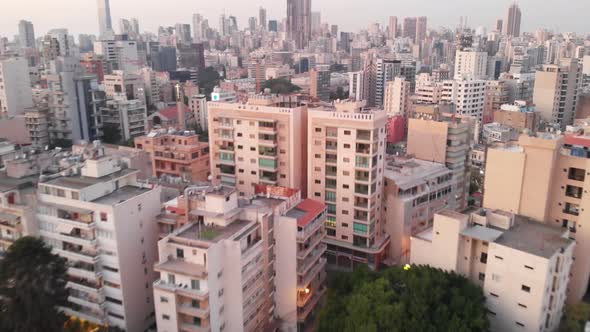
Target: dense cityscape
[281,174]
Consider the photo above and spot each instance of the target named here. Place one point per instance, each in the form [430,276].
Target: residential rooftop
[80,182]
[121,195]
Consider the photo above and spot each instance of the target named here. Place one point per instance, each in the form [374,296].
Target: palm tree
[32,286]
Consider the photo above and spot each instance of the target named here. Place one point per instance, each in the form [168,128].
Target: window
[576,174]
[165,317]
[344,237]
[318,130]
[172,279]
[347,146]
[484,258]
[195,284]
[180,253]
[525,288]
[103,216]
[347,132]
[75,195]
[482,276]
[163,299]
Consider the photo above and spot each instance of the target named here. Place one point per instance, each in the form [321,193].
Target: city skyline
[151,16]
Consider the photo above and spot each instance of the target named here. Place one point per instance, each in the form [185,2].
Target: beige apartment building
[261,142]
[414,191]
[444,142]
[520,115]
[99,217]
[345,165]
[556,91]
[545,177]
[522,265]
[242,265]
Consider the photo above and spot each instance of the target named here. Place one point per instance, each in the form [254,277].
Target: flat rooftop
[534,237]
[212,233]
[121,195]
[81,182]
[8,183]
[410,172]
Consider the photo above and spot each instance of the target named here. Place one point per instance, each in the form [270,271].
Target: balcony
[226,148]
[361,189]
[311,228]
[572,209]
[363,135]
[330,145]
[267,127]
[362,176]
[227,158]
[362,203]
[188,327]
[574,192]
[576,174]
[362,162]
[267,140]
[312,274]
[307,264]
[190,310]
[267,152]
[269,164]
[304,249]
[331,171]
[362,148]
[77,254]
[79,218]
[331,159]
[303,312]
[183,290]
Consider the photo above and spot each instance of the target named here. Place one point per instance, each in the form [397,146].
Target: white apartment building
[15,86]
[101,219]
[522,265]
[468,95]
[471,63]
[130,85]
[242,266]
[428,91]
[414,191]
[356,86]
[397,97]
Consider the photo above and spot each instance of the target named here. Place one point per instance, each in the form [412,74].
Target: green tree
[208,79]
[280,86]
[111,134]
[575,318]
[32,286]
[420,299]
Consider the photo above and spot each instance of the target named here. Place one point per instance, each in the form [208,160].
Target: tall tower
[299,21]
[421,27]
[26,34]
[105,24]
[262,18]
[392,30]
[512,22]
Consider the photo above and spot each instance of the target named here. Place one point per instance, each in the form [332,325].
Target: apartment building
[467,94]
[447,143]
[413,192]
[496,95]
[520,115]
[397,97]
[129,116]
[123,83]
[547,180]
[320,82]
[15,90]
[176,155]
[37,123]
[522,265]
[556,91]
[100,218]
[242,265]
[471,63]
[17,203]
[345,165]
[261,142]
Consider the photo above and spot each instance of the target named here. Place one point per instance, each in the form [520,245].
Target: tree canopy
[32,286]
[208,79]
[575,317]
[111,134]
[420,299]
[280,86]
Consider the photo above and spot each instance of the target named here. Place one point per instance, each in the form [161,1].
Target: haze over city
[558,15]
[294,166]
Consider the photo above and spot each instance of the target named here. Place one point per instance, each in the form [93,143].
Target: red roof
[577,140]
[262,189]
[170,113]
[313,209]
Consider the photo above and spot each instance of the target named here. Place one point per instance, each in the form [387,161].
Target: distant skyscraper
[316,22]
[273,25]
[421,27]
[299,21]
[499,25]
[105,24]
[252,23]
[262,17]
[197,27]
[512,22]
[392,29]
[409,28]
[26,34]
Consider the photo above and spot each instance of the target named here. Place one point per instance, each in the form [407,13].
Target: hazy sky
[80,15]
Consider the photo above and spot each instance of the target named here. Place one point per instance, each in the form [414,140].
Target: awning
[64,228]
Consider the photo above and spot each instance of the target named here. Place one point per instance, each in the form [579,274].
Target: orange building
[179,155]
